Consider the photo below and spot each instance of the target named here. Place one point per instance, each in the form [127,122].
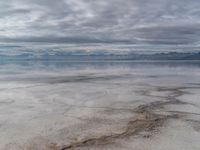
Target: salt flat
[125,106]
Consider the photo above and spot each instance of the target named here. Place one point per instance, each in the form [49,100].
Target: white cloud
[135,21]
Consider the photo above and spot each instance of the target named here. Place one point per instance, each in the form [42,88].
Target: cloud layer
[168,22]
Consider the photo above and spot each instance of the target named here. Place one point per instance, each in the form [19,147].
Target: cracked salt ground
[115,108]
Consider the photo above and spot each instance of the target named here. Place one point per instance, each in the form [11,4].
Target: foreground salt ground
[140,108]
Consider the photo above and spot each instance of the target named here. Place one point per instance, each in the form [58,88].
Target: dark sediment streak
[147,120]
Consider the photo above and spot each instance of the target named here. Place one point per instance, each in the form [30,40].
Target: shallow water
[48,105]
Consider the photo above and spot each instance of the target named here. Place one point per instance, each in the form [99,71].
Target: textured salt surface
[96,108]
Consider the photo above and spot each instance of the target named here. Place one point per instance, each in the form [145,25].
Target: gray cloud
[170,22]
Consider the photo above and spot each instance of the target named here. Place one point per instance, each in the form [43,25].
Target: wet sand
[142,108]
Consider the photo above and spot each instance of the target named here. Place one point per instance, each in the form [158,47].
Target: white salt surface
[64,105]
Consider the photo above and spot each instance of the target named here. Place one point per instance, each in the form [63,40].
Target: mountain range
[101,56]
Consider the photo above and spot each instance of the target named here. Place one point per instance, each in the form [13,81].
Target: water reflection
[98,64]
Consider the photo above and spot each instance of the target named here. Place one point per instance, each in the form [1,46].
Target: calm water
[9,66]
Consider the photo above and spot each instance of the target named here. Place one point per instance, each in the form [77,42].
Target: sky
[158,23]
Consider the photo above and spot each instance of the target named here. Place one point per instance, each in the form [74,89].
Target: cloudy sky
[136,22]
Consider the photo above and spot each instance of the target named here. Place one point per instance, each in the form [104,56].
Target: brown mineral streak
[147,120]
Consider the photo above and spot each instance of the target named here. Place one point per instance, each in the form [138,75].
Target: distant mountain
[98,55]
